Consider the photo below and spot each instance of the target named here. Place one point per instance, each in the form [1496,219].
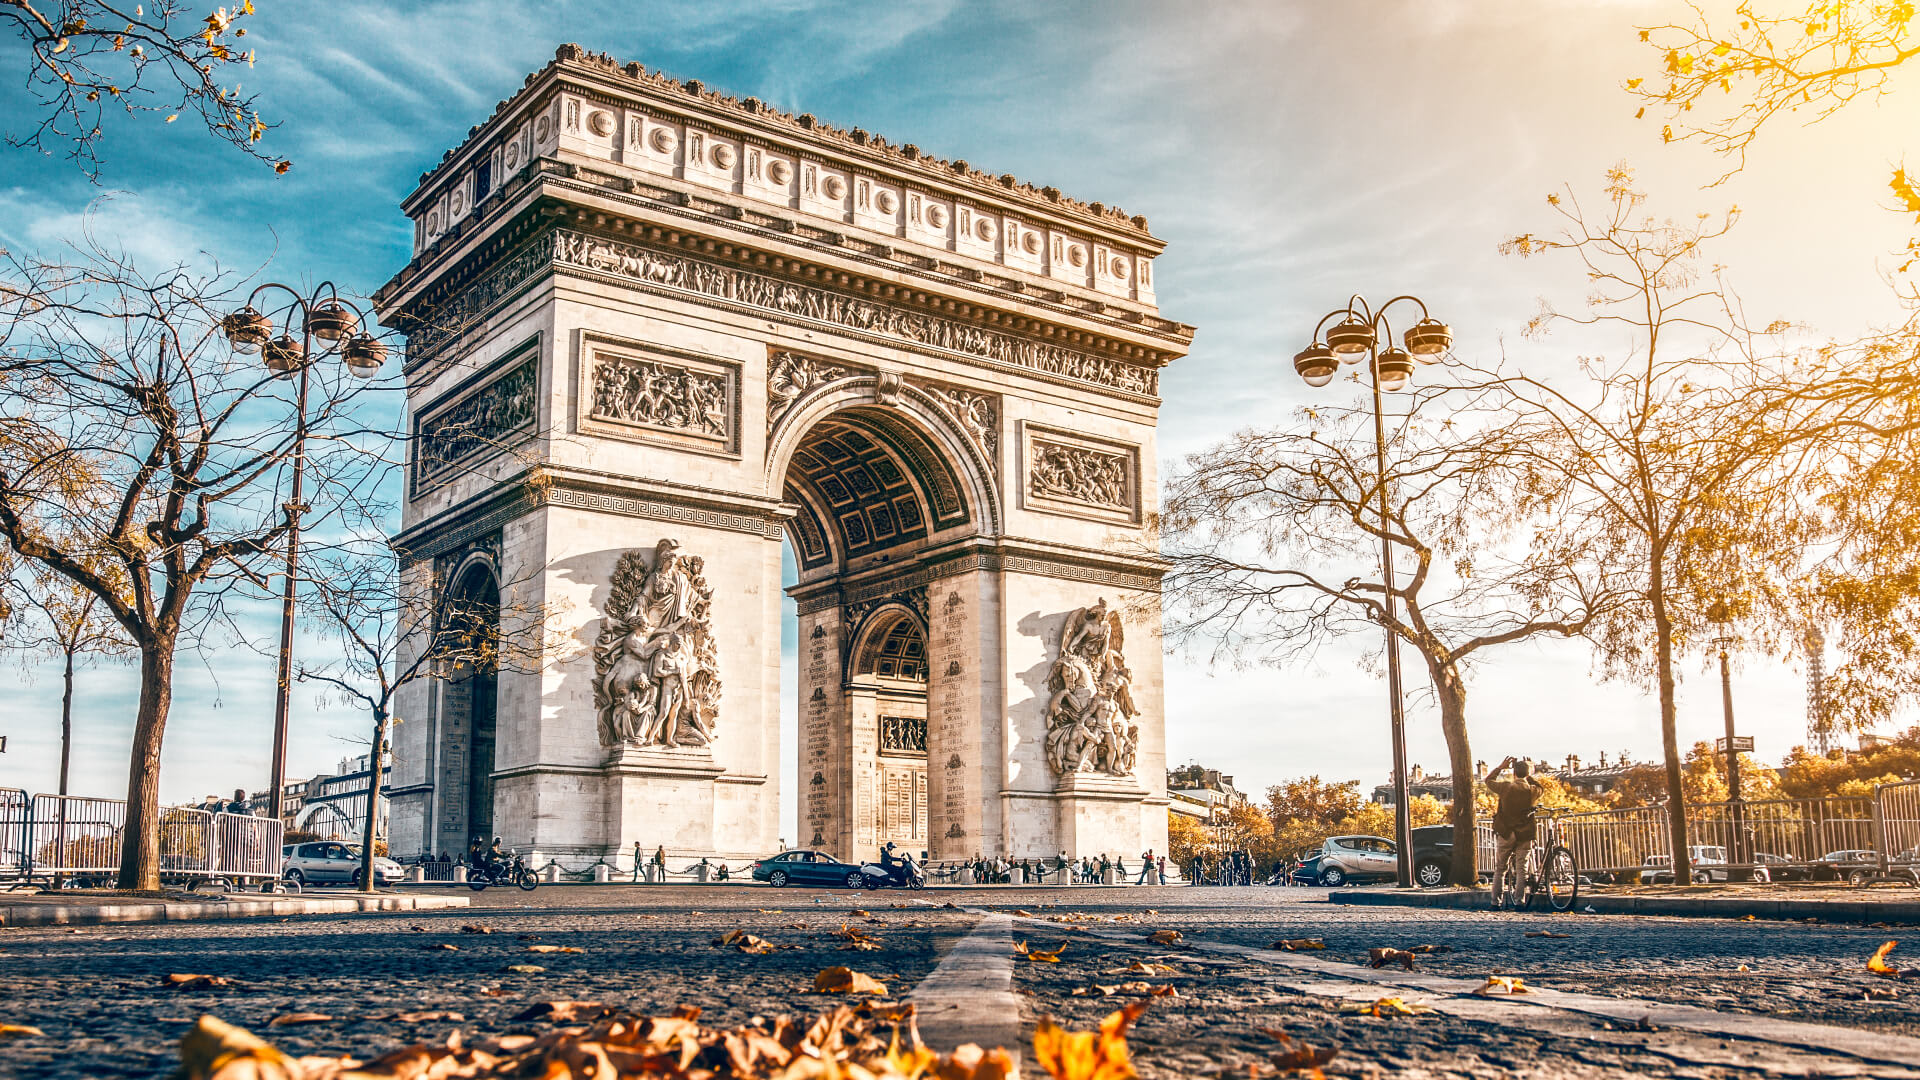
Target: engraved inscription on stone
[484,421]
[1080,474]
[1091,725]
[658,678]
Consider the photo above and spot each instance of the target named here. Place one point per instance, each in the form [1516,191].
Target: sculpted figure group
[658,681]
[1090,718]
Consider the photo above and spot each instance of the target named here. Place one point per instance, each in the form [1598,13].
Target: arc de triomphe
[654,334]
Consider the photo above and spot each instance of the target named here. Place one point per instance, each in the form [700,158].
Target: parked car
[800,867]
[1708,862]
[1432,855]
[1781,868]
[1342,860]
[331,862]
[1854,864]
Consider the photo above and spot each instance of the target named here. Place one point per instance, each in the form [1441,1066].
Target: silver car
[328,862]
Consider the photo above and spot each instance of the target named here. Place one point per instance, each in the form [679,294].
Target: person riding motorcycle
[900,868]
[496,857]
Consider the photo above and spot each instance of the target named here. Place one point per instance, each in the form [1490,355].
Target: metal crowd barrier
[77,836]
[1782,836]
[1897,817]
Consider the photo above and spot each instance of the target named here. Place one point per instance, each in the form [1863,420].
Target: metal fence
[1897,810]
[1786,837]
[77,836]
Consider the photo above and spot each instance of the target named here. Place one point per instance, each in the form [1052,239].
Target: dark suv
[1432,855]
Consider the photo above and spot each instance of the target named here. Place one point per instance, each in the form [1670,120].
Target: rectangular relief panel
[1064,472]
[489,413]
[651,394]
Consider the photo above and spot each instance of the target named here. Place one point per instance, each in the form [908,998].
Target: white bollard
[966,875]
[601,874]
[460,875]
[416,873]
[1061,876]
[551,874]
[1107,876]
[702,873]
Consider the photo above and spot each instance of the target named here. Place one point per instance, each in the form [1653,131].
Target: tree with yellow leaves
[84,60]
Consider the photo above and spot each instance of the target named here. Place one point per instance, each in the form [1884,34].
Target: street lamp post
[1738,854]
[336,323]
[1359,335]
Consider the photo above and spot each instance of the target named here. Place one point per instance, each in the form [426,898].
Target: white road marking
[968,997]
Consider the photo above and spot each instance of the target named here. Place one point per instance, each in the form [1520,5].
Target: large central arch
[882,482]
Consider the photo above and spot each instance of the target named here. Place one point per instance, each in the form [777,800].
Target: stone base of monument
[667,796]
[1098,814]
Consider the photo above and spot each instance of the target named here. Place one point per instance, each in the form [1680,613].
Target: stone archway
[885,486]
[469,720]
[655,334]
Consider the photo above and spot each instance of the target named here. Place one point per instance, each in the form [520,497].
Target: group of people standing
[1225,868]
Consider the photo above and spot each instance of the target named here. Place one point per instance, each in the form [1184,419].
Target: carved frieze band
[475,425]
[665,270]
[1061,569]
[654,394]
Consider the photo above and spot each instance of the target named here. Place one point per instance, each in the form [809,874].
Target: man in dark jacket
[1512,823]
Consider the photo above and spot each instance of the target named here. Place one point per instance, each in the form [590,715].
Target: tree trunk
[140,838]
[66,728]
[1669,731]
[373,799]
[1452,691]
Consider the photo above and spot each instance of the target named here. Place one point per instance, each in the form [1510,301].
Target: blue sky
[1289,153]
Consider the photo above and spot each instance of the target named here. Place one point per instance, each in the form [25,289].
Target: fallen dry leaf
[195,982]
[845,980]
[474,928]
[1393,1006]
[1038,956]
[217,1049]
[1295,1056]
[1023,913]
[432,1016]
[1381,957]
[1166,937]
[524,969]
[553,949]
[295,1019]
[1545,933]
[1434,950]
[745,942]
[1088,1055]
[1503,984]
[441,946]
[1304,944]
[1877,963]
[18,1031]
[1095,990]
[562,1012]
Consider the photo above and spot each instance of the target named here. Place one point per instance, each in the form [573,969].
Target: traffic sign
[1742,744]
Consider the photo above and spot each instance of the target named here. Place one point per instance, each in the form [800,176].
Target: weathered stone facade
[652,326]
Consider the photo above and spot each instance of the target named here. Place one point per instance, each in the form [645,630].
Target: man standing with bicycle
[1513,830]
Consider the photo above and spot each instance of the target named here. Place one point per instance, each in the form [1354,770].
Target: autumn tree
[141,461]
[86,61]
[1688,453]
[1275,540]
[58,619]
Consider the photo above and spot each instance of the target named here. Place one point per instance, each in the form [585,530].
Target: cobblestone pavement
[97,991]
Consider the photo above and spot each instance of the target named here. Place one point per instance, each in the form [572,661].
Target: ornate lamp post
[1739,854]
[1364,333]
[335,323]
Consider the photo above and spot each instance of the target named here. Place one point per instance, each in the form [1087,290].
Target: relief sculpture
[657,674]
[659,395]
[791,375]
[1080,474]
[1091,724]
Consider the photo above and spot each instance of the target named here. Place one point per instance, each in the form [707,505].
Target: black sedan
[807,868]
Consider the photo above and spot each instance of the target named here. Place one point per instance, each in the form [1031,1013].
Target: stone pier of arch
[656,335]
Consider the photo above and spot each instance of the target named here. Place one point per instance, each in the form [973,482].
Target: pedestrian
[1161,866]
[1146,866]
[639,857]
[1106,864]
[1513,828]
[723,872]
[660,862]
[1120,870]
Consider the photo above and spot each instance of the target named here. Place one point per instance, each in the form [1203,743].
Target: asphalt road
[97,992]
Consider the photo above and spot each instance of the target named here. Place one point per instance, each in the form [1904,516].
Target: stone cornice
[1140,573]
[661,207]
[620,81]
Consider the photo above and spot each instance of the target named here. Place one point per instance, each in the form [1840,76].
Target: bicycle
[1550,867]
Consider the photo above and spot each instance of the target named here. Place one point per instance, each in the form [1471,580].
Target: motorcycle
[512,871]
[903,875]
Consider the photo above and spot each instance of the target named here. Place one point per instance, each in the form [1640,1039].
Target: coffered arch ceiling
[867,483]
